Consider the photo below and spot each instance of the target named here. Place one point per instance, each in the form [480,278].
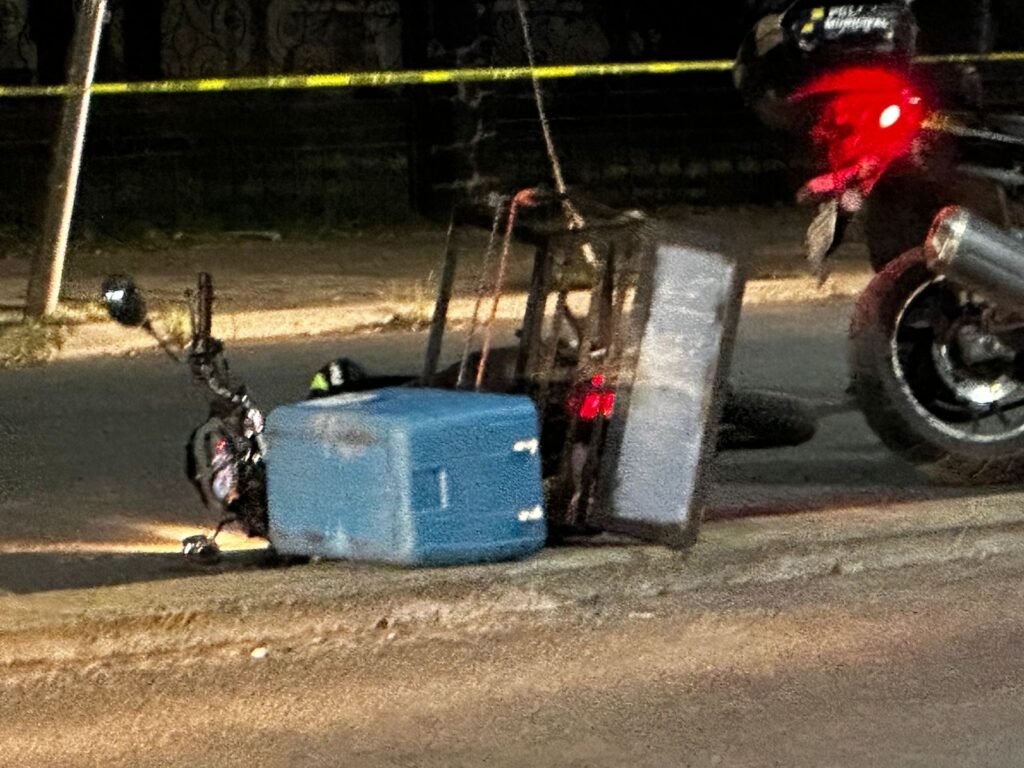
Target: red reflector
[591,406]
[589,400]
[607,404]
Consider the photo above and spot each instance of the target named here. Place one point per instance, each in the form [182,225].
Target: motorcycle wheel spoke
[928,319]
[975,422]
[926,314]
[1000,413]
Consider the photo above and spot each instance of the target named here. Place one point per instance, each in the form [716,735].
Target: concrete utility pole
[48,266]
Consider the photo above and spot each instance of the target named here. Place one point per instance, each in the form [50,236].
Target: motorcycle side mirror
[125,303]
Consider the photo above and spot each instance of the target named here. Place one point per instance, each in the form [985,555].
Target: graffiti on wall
[235,37]
[333,35]
[208,37]
[563,31]
[112,54]
[17,51]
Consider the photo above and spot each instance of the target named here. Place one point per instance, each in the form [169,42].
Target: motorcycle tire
[756,420]
[888,403]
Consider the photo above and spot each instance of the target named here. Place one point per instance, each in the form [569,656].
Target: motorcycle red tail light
[590,407]
[591,400]
[221,455]
[871,117]
[890,116]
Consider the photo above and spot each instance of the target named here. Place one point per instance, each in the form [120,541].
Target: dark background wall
[321,159]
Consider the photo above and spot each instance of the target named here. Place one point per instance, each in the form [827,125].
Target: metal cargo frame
[629,273]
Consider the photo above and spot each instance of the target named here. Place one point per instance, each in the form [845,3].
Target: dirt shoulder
[238,606]
[270,287]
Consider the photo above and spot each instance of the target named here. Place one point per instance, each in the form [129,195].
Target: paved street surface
[96,448]
[789,636]
[905,668]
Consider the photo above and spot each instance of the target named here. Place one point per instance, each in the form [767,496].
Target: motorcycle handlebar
[205,354]
[204,366]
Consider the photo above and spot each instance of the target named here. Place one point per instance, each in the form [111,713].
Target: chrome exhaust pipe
[978,255]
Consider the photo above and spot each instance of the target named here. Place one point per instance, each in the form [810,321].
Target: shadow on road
[838,500]
[786,482]
[28,572]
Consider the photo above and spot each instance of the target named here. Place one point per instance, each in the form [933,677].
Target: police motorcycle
[937,338]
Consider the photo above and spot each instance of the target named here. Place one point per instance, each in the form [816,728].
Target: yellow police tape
[373,79]
[431,77]
[998,57]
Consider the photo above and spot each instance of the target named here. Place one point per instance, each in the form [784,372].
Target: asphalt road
[93,451]
[900,668]
[906,667]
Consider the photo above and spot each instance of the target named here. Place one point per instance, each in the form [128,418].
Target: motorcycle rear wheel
[905,394]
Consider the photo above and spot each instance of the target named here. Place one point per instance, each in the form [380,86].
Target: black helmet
[338,376]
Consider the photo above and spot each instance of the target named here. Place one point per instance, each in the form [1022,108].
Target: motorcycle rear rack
[605,335]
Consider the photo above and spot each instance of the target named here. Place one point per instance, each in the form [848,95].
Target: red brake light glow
[871,117]
[591,400]
[590,407]
[890,116]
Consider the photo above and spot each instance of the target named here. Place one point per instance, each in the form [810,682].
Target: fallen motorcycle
[937,339]
[225,456]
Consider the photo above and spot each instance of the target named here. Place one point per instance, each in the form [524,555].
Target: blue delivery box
[404,475]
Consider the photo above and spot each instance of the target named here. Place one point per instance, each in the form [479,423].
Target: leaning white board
[662,436]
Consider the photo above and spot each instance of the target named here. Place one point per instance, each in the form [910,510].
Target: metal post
[444,296]
[533,319]
[48,267]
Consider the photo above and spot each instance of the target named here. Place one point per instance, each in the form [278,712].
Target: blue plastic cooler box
[406,475]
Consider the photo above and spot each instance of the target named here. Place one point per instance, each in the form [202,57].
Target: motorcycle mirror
[125,303]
